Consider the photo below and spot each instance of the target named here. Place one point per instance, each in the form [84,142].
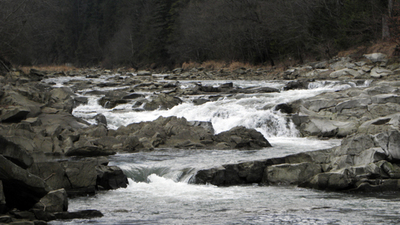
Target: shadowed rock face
[21,189]
[356,165]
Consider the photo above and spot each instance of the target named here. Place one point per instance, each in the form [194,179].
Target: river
[160,192]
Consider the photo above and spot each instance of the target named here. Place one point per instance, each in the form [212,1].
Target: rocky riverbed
[48,155]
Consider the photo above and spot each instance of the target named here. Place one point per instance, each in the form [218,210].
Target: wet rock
[297,84]
[110,177]
[101,119]
[290,173]
[110,103]
[335,181]
[89,151]
[162,101]
[83,214]
[380,72]
[243,138]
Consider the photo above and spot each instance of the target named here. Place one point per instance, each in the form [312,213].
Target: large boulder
[54,201]
[243,138]
[162,101]
[336,180]
[52,172]
[390,143]
[376,57]
[290,173]
[81,176]
[110,177]
[15,153]
[21,188]
[14,114]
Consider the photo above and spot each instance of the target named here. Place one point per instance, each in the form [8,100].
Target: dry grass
[49,68]
[385,47]
[217,65]
[190,65]
[212,65]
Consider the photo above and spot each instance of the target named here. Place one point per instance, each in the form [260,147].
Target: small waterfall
[142,173]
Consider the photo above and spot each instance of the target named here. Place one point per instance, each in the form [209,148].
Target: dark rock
[52,172]
[2,200]
[297,84]
[101,119]
[254,90]
[110,177]
[5,219]
[81,176]
[243,138]
[291,173]
[14,114]
[15,153]
[110,103]
[284,108]
[21,188]
[162,101]
[133,96]
[89,151]
[84,214]
[335,181]
[23,215]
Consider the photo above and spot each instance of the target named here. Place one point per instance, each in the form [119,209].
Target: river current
[159,191]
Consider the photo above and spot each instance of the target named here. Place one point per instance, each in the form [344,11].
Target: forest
[166,33]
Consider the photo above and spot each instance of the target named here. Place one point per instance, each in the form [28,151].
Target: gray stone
[54,201]
[243,138]
[380,72]
[321,127]
[162,101]
[345,73]
[376,57]
[386,98]
[52,172]
[15,153]
[144,73]
[335,181]
[14,114]
[291,173]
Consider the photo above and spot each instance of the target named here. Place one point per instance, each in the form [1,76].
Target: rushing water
[159,191]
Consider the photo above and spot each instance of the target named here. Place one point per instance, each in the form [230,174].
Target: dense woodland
[143,33]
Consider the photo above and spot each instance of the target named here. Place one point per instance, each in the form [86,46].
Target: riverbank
[51,154]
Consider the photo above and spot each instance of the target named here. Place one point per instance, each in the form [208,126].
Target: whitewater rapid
[159,191]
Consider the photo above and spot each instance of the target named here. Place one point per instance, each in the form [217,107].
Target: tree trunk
[385,27]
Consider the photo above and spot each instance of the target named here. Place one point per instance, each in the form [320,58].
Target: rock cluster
[366,117]
[362,163]
[47,155]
